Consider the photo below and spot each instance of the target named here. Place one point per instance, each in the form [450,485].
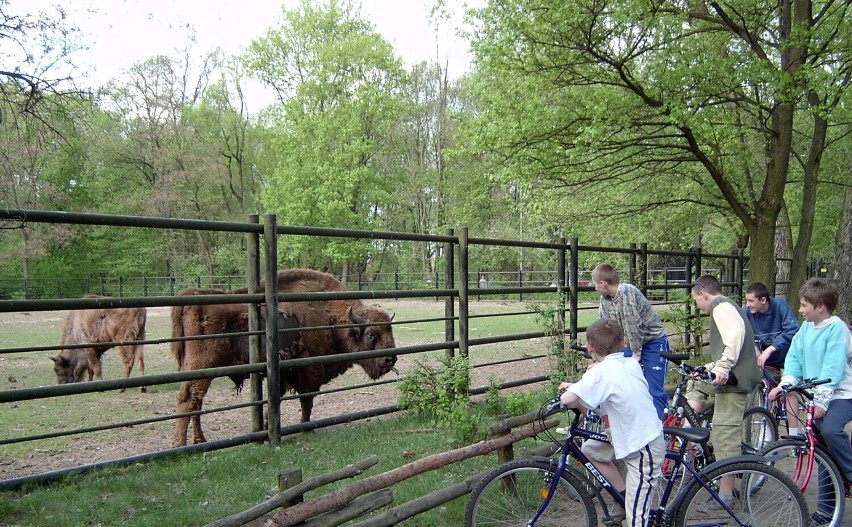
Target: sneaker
[562,431]
[616,516]
[712,506]
[818,519]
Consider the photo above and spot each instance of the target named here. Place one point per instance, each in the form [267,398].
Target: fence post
[573,273]
[464,279]
[643,269]
[253,284]
[741,272]
[560,282]
[145,286]
[273,380]
[450,301]
[631,267]
[58,288]
[120,286]
[520,284]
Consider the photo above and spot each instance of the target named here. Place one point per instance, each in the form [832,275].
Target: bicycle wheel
[757,397]
[759,429]
[763,497]
[824,493]
[510,495]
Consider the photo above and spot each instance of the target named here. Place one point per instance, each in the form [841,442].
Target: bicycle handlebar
[803,387]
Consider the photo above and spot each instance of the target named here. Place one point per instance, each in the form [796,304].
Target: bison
[99,326]
[212,319]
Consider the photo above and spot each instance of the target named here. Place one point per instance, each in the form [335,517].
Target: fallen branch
[282,498]
[339,498]
[425,503]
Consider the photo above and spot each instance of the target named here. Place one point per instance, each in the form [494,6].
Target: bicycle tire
[757,397]
[765,497]
[791,451]
[759,429]
[509,495]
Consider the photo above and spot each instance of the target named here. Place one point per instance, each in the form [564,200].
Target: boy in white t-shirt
[617,387]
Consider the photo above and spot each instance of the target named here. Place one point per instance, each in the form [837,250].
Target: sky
[122,32]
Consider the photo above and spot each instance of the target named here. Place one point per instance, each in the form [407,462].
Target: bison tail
[178,350]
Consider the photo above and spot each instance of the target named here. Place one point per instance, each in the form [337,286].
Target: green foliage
[564,361]
[441,393]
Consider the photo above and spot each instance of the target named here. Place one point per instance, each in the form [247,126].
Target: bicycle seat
[696,435]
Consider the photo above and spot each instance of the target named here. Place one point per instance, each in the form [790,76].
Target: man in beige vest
[732,353]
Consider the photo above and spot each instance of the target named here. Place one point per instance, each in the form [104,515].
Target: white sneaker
[562,431]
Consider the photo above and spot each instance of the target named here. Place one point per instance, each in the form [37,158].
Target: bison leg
[94,364]
[129,355]
[190,397]
[307,407]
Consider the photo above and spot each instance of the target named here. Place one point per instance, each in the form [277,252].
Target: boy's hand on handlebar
[774,393]
[564,386]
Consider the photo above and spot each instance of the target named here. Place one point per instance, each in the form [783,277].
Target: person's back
[618,387]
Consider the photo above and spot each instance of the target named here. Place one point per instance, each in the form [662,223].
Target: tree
[34,49]
[339,86]
[688,102]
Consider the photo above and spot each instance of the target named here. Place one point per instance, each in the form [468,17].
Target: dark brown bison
[198,320]
[97,326]
[189,321]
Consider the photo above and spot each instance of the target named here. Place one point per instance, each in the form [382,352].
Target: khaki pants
[727,433]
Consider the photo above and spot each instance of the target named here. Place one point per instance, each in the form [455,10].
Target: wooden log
[357,508]
[340,497]
[287,479]
[506,425]
[282,498]
[422,504]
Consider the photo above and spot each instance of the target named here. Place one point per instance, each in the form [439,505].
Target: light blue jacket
[822,352]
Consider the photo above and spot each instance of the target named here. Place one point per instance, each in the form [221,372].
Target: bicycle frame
[570,450]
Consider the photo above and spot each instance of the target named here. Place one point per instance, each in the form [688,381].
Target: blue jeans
[654,367]
[831,427]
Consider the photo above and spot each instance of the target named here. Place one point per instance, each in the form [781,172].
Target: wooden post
[288,479]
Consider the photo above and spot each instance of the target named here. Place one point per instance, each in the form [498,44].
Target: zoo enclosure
[459,287]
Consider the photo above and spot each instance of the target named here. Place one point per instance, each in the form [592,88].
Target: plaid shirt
[635,314]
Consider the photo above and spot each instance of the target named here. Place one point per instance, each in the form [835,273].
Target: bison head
[374,337]
[66,371]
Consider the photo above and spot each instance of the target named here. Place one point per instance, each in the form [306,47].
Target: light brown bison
[98,326]
[309,343]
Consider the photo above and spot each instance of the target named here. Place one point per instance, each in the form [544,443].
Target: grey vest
[746,370]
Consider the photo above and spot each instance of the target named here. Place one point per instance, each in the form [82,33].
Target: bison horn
[355,318]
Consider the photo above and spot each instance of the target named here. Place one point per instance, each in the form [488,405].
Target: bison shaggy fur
[97,327]
[373,332]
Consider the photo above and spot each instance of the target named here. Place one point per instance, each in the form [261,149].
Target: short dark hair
[758,289]
[707,283]
[820,292]
[606,336]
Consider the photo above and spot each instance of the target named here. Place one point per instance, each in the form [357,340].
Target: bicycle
[543,491]
[759,426]
[798,455]
[758,397]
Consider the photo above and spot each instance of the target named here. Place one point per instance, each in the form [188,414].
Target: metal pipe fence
[457,285]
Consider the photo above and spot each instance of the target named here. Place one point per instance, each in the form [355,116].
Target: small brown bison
[213,319]
[98,326]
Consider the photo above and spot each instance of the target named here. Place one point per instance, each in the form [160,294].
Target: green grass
[197,489]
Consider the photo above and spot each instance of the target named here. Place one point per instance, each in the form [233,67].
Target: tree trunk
[762,257]
[798,271]
[843,259]
[783,250]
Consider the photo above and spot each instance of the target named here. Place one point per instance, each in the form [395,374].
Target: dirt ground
[119,443]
